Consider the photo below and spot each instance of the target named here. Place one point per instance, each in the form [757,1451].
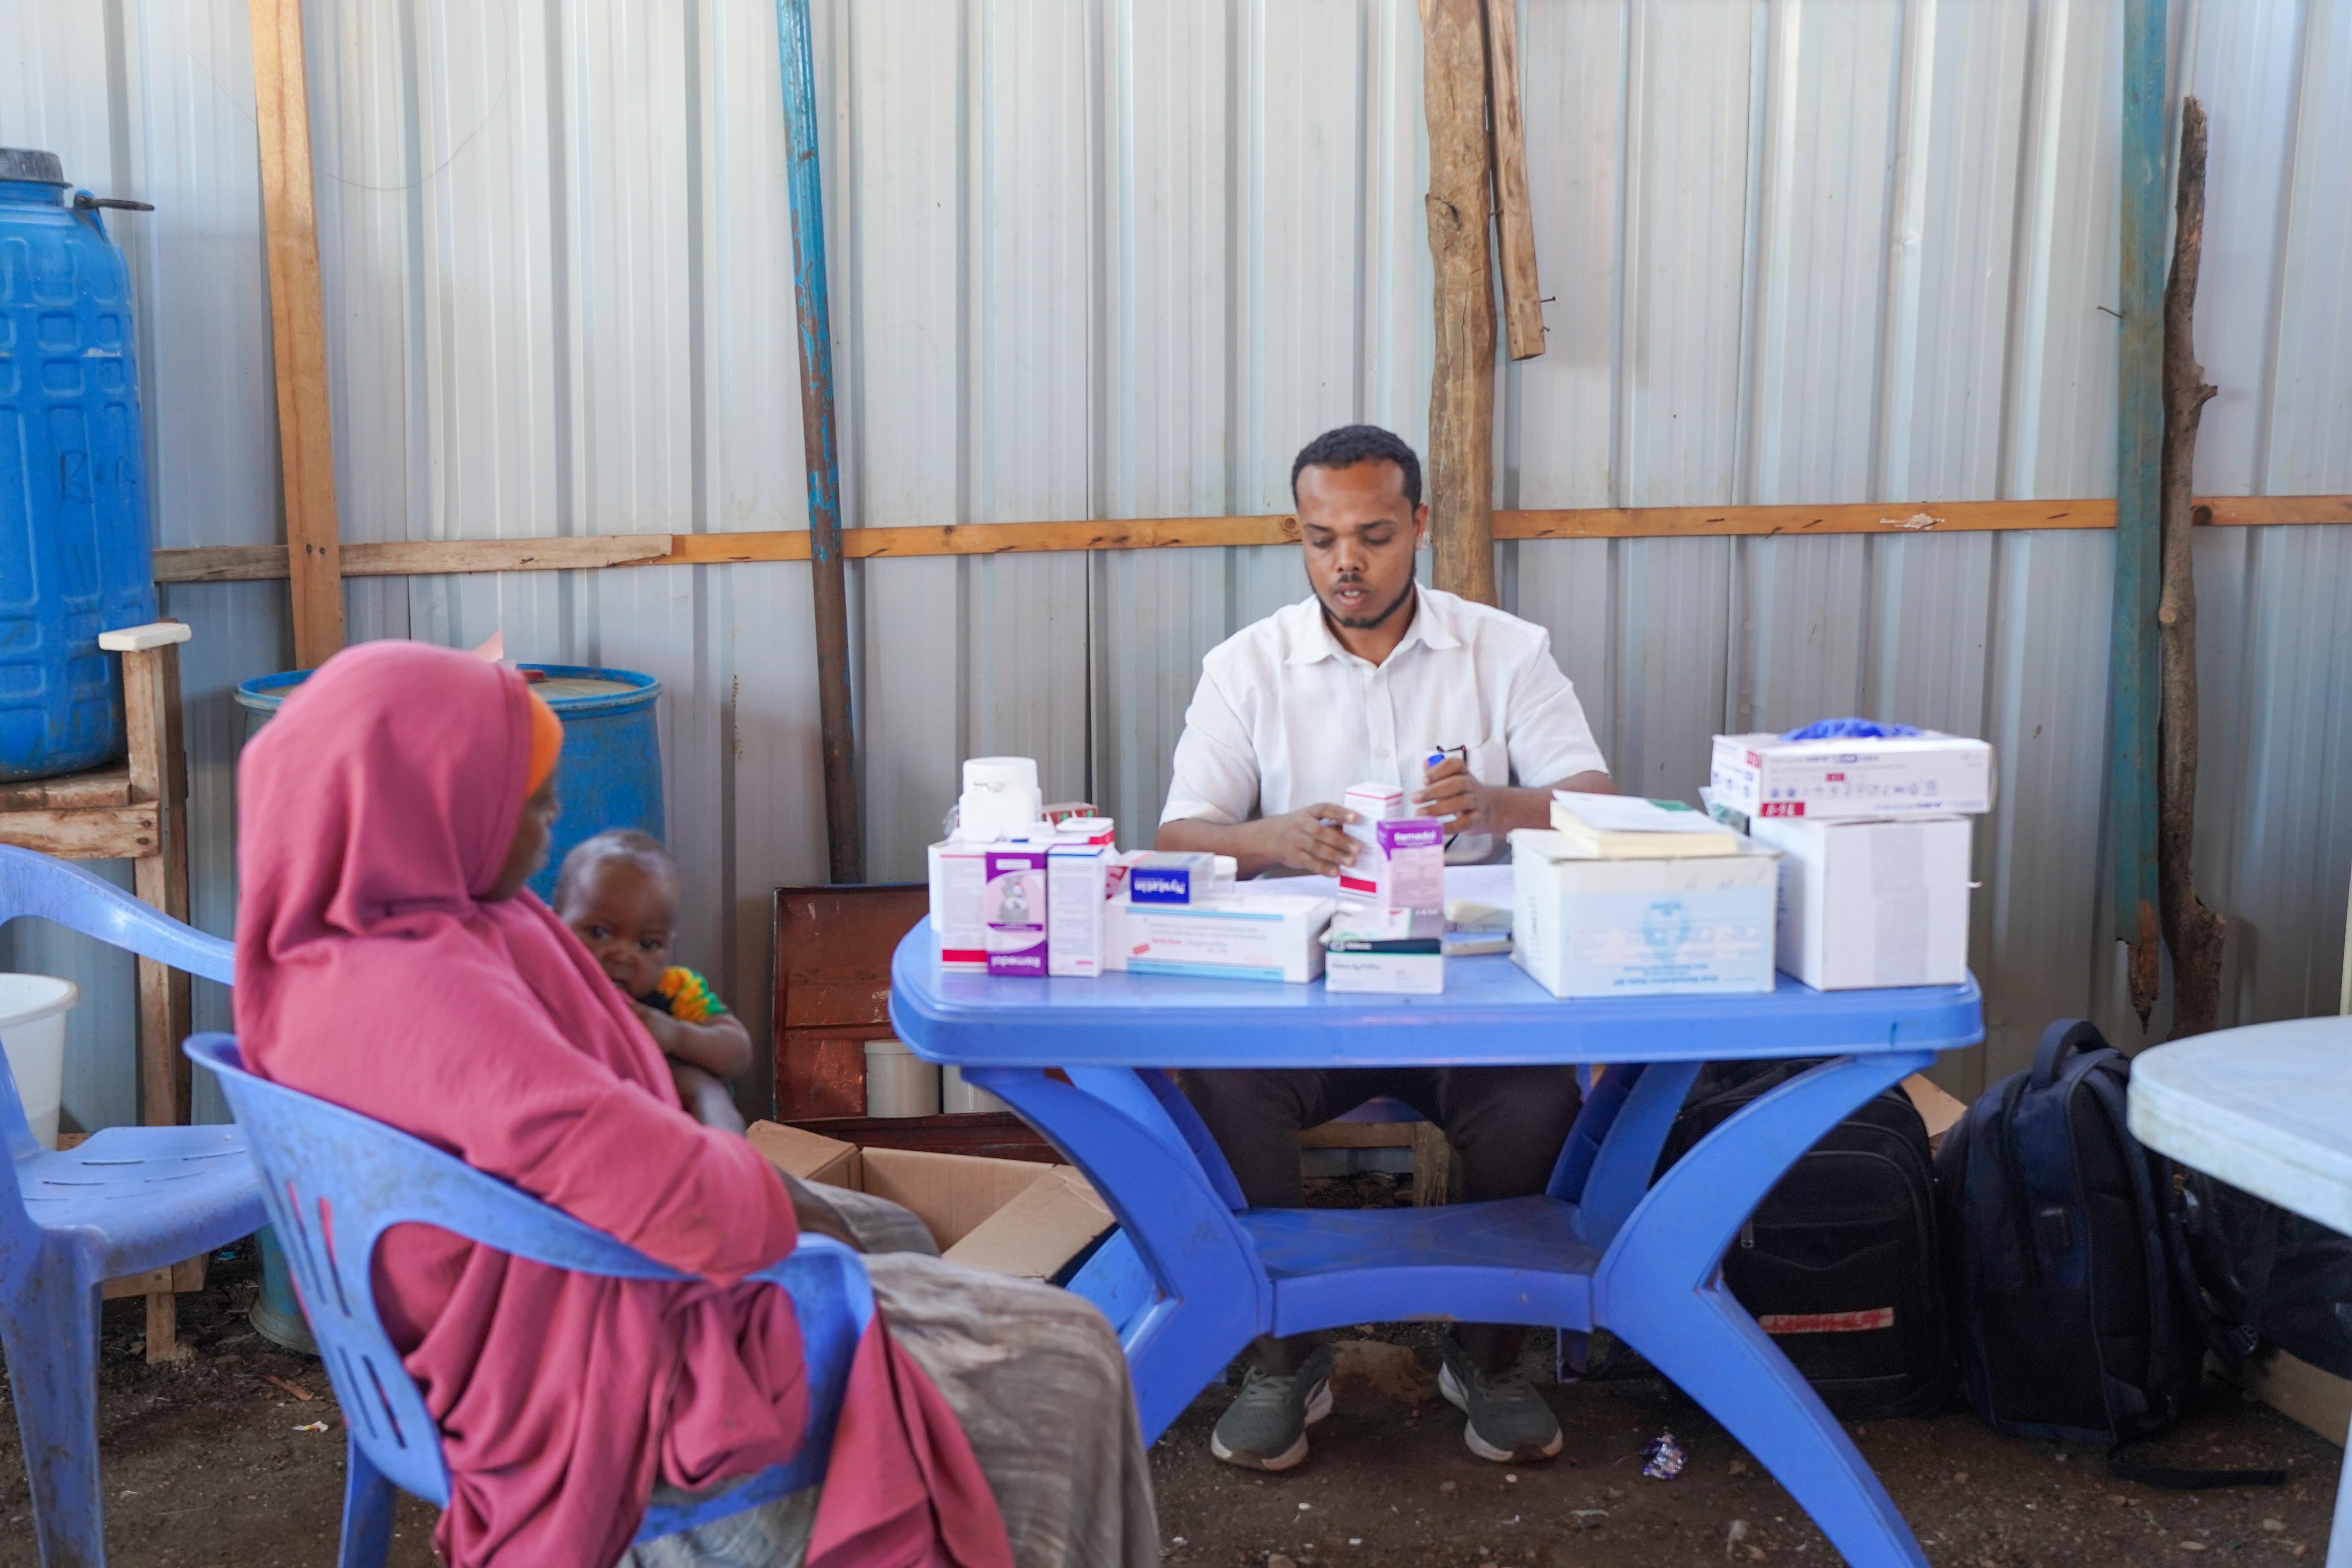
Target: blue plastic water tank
[74,553]
[610,776]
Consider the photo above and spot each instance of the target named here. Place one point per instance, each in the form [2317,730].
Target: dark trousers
[1506,1126]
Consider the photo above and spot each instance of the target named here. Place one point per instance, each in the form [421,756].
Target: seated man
[1365,681]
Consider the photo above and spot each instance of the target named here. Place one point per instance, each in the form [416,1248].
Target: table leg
[1660,1288]
[2339,1539]
[1213,1295]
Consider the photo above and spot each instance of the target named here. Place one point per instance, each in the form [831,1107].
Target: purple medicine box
[1012,908]
[1413,876]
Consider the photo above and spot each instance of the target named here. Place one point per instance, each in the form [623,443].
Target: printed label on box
[1013,905]
[1706,939]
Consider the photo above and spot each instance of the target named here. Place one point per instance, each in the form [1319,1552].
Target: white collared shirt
[1284,717]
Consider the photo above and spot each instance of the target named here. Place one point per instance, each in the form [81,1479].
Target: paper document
[1631,813]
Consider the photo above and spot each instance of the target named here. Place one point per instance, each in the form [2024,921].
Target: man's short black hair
[1353,444]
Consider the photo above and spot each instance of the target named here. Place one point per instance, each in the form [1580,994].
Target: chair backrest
[334,1181]
[32,883]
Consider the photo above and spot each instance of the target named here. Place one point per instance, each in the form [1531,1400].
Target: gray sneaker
[1265,1429]
[1509,1422]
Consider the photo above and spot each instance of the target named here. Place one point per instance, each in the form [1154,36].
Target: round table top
[2267,1109]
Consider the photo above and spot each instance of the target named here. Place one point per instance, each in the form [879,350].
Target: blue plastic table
[1602,1248]
[2267,1109]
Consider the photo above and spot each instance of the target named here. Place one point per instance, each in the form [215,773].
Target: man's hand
[1450,789]
[1309,840]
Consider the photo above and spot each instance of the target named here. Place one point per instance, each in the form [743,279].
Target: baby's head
[618,892]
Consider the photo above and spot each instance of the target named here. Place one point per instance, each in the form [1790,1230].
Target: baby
[618,891]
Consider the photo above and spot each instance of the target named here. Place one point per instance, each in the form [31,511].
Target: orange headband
[546,743]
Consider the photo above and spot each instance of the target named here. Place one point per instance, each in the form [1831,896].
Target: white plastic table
[2269,1111]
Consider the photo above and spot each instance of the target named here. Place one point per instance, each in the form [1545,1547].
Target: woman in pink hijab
[390,959]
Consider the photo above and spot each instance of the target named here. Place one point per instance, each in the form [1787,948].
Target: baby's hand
[658,1024]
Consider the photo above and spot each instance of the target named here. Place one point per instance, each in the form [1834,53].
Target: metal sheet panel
[1121,258]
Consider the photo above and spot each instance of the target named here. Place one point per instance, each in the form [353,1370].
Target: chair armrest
[32,883]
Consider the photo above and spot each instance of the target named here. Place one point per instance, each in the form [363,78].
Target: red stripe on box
[1860,1323]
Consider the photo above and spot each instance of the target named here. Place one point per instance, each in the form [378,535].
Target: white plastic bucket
[898,1082]
[32,1009]
[959,1097]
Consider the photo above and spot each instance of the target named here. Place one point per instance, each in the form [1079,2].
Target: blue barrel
[610,776]
[74,553]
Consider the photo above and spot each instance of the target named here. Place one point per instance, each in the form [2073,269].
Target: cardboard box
[1412,871]
[1932,775]
[1008,1216]
[1373,803]
[1077,886]
[1396,969]
[1231,936]
[1869,903]
[958,872]
[1691,926]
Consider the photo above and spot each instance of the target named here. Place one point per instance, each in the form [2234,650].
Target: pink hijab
[374,812]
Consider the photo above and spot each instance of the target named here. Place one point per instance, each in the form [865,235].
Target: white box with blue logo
[1693,926]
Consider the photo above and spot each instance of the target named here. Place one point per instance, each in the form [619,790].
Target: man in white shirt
[1375,678]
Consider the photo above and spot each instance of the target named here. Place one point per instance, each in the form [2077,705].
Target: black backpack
[1840,1262]
[2272,1276]
[2077,1310]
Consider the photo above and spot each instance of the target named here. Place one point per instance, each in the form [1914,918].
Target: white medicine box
[1866,904]
[1689,926]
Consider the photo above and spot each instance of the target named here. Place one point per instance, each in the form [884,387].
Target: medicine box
[1397,952]
[1373,803]
[958,872]
[1232,936]
[1013,906]
[1172,876]
[1689,926]
[1930,774]
[1868,903]
[1078,881]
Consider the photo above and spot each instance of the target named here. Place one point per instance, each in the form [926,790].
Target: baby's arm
[721,1047]
[705,1098]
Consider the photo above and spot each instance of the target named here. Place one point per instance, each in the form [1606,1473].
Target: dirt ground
[219,1463]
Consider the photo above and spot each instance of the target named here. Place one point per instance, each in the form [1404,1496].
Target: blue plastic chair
[129,1200]
[337,1181]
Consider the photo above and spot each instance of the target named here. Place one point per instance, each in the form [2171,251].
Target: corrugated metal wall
[1121,258]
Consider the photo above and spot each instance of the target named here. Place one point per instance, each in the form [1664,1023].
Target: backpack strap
[2124,1467]
[2063,1038]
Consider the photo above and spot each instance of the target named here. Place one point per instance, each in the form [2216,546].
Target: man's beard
[1367,623]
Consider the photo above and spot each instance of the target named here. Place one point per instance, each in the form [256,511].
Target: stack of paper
[1627,827]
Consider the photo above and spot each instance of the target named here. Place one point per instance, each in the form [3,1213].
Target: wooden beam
[422,557]
[419,558]
[1461,455]
[159,782]
[306,443]
[1515,222]
[106,833]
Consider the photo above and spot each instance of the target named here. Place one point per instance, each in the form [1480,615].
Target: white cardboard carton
[958,876]
[1867,903]
[1394,974]
[1926,775]
[1688,926]
[1077,884]
[1232,936]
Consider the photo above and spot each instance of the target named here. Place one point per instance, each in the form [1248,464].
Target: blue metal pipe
[845,826]
[2140,373]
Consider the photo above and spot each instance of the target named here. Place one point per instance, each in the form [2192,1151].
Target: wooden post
[158,778]
[844,820]
[1462,379]
[2139,372]
[1515,221]
[2192,932]
[306,442]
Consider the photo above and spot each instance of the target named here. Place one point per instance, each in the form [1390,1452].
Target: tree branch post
[2192,932]
[1462,378]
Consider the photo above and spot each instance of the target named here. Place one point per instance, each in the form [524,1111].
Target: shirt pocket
[1490,763]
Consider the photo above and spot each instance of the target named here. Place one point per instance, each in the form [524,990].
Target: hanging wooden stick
[2192,932]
